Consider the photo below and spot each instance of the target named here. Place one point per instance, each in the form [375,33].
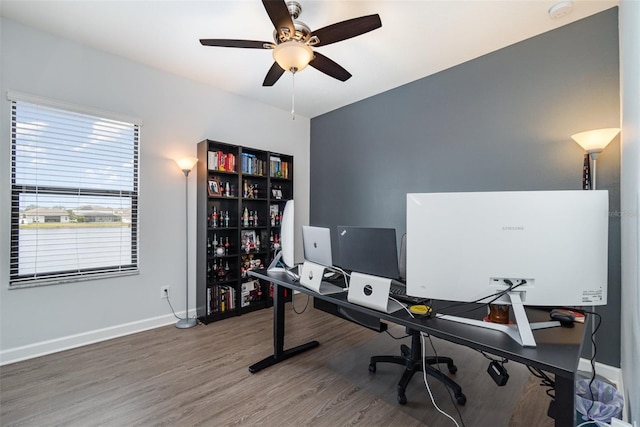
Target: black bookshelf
[241,192]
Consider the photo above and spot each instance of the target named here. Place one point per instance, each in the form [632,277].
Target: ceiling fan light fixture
[292,55]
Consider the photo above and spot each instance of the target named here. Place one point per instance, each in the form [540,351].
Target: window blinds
[74,195]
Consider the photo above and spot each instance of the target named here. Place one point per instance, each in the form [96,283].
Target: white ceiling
[417,38]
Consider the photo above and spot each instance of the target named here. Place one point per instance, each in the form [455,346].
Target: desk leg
[279,353]
[565,411]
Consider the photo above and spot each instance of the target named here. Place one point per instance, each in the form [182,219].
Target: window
[74,194]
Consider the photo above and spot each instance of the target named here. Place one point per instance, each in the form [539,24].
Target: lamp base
[186,323]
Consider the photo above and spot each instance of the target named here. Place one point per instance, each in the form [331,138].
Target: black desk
[557,352]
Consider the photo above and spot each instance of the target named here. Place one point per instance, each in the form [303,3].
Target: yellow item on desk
[422,310]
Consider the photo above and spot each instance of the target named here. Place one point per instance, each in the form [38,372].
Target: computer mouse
[565,317]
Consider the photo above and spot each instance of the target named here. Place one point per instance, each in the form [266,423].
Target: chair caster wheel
[461,399]
[402,399]
[453,369]
[372,368]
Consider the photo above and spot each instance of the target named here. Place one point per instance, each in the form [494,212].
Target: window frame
[53,277]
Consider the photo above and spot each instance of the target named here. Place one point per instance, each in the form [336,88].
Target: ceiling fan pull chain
[293,95]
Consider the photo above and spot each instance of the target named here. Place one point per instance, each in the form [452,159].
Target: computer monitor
[316,242]
[552,246]
[369,250]
[286,255]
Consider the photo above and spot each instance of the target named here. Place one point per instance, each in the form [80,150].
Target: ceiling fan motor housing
[302,33]
[302,30]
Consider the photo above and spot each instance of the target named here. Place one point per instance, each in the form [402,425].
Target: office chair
[412,356]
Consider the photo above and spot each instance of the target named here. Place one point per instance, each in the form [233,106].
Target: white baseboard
[43,348]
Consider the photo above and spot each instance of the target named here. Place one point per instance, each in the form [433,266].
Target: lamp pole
[186,165]
[594,158]
[594,142]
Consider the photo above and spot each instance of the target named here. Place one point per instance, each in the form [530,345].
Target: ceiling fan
[293,41]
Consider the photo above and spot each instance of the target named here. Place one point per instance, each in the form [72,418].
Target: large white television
[551,245]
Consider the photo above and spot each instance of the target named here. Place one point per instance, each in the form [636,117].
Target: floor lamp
[594,142]
[186,165]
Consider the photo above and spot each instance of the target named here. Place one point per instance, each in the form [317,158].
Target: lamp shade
[187,163]
[594,141]
[292,55]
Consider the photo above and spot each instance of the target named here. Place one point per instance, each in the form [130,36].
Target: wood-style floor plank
[199,377]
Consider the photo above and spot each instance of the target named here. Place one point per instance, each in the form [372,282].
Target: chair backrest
[402,261]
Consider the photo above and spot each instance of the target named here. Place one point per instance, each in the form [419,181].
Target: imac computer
[284,259]
[369,250]
[537,248]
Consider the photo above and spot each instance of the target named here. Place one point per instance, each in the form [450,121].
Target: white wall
[176,113]
[629,20]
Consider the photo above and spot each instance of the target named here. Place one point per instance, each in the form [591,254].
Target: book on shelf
[220,299]
[278,167]
[252,165]
[212,160]
[230,163]
[221,161]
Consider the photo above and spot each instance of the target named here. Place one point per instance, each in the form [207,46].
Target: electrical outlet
[164,292]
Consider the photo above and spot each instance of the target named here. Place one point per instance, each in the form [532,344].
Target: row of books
[220,299]
[250,164]
[253,165]
[221,161]
[278,168]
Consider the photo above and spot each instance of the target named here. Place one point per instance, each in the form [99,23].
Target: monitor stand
[274,264]
[521,332]
[277,265]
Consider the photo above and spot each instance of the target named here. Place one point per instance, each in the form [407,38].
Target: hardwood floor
[199,377]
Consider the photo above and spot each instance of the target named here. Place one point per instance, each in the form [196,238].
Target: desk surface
[558,349]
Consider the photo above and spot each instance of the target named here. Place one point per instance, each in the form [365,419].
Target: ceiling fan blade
[279,14]
[347,29]
[329,67]
[249,44]
[273,75]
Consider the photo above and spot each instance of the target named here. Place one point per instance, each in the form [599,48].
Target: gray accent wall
[502,121]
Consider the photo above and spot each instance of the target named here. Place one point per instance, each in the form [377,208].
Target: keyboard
[398,291]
